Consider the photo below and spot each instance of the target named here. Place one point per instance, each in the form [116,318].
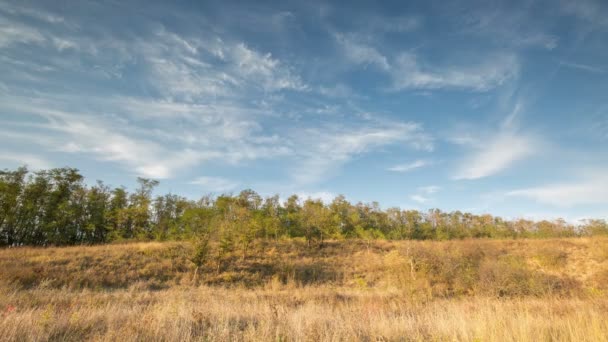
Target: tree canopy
[56,207]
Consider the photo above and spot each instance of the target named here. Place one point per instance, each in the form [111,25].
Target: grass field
[473,290]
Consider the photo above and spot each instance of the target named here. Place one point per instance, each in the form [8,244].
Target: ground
[472,290]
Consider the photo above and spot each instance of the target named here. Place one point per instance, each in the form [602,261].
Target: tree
[201,253]
[340,210]
[271,217]
[139,208]
[60,220]
[167,211]
[194,221]
[595,227]
[293,218]
[117,215]
[11,188]
[55,207]
[97,225]
[315,221]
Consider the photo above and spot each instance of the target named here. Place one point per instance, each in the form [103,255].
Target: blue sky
[498,107]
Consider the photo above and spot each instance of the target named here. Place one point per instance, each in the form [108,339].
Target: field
[470,290]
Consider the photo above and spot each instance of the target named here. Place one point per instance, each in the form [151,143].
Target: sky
[479,106]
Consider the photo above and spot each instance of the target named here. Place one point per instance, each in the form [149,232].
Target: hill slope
[348,290]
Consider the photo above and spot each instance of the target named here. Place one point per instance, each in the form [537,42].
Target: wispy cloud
[516,28]
[198,104]
[419,199]
[359,52]
[416,164]
[39,14]
[215,184]
[593,190]
[599,124]
[424,193]
[408,73]
[497,149]
[584,67]
[429,190]
[32,161]
[146,157]
[13,33]
[150,152]
[331,147]
[497,154]
[187,67]
[591,11]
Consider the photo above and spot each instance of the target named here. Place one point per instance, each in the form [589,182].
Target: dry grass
[523,290]
[299,314]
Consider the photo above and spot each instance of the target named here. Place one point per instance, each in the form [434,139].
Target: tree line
[56,207]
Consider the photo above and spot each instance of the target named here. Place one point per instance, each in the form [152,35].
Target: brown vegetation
[485,290]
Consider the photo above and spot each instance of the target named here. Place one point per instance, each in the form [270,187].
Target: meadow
[344,290]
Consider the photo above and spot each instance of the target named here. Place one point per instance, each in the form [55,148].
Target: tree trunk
[195,276]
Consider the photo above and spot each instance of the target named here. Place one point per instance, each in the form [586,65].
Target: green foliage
[202,250]
[55,207]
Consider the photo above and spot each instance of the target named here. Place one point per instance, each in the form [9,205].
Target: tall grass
[523,290]
[296,314]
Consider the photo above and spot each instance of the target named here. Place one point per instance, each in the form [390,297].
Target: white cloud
[423,193]
[591,11]
[484,75]
[410,166]
[599,122]
[81,133]
[215,184]
[588,191]
[265,70]
[496,150]
[546,41]
[361,53]
[429,190]
[495,155]
[407,72]
[32,12]
[141,150]
[419,199]
[19,159]
[514,27]
[19,32]
[13,33]
[337,91]
[187,69]
[323,150]
[584,67]
[204,110]
[325,196]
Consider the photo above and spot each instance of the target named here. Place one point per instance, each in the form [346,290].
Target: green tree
[316,221]
[11,188]
[139,208]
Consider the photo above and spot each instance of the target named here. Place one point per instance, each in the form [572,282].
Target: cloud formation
[588,191]
[482,76]
[495,150]
[495,155]
[361,53]
[329,148]
[215,184]
[416,164]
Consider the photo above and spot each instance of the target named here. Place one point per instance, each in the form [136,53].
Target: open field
[472,290]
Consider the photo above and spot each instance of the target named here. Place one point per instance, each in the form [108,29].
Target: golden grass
[476,290]
[296,314]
